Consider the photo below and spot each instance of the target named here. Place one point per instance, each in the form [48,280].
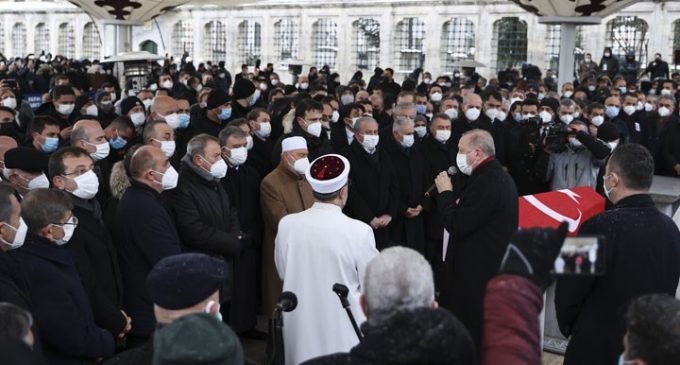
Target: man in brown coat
[283,191]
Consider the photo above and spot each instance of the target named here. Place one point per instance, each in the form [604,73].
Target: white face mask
[19,235]
[137,118]
[492,113]
[168,147]
[68,233]
[568,94]
[421,131]
[172,120]
[92,110]
[147,103]
[249,143]
[65,109]
[39,182]
[347,99]
[314,129]
[265,130]
[102,151]
[607,191]
[407,141]
[304,85]
[649,107]
[218,169]
[501,115]
[169,180]
[335,116]
[370,142]
[472,114]
[452,113]
[10,103]
[597,120]
[567,118]
[463,166]
[238,156]
[436,97]
[613,145]
[300,166]
[546,117]
[87,185]
[664,112]
[442,135]
[167,84]
[629,109]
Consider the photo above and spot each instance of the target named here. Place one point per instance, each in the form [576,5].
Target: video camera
[556,137]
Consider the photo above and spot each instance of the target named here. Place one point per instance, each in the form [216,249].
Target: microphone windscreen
[452,170]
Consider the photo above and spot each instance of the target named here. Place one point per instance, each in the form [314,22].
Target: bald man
[144,234]
[89,135]
[165,108]
[470,117]
[6,144]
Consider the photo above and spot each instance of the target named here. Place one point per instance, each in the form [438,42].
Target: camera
[556,137]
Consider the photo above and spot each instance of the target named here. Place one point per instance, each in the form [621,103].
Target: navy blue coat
[144,234]
[61,306]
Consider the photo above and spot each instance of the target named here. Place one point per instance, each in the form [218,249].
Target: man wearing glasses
[72,170]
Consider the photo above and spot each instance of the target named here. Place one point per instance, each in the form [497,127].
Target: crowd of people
[136,223]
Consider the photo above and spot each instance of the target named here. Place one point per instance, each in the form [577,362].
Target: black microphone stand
[342,291]
[278,354]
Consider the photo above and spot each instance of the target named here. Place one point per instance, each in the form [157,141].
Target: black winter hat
[217,97]
[243,88]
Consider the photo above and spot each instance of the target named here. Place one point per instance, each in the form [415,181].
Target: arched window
[66,42]
[628,34]
[19,40]
[2,39]
[366,43]
[676,37]
[325,43]
[510,39]
[249,41]
[91,42]
[286,39]
[458,42]
[42,38]
[408,44]
[552,47]
[149,46]
[215,39]
[182,39]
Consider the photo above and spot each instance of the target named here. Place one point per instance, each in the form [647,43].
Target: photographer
[573,155]
[523,149]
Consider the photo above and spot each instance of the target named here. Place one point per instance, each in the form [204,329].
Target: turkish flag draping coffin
[548,210]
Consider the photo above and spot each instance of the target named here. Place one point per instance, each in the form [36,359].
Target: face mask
[91,110]
[184,120]
[335,116]
[517,117]
[592,88]
[68,233]
[436,97]
[39,182]
[102,151]
[429,116]
[131,93]
[665,92]
[613,145]
[314,129]
[577,114]
[629,109]
[664,112]
[472,114]
[167,84]
[153,87]
[370,142]
[407,141]
[347,99]
[51,144]
[501,115]
[10,103]
[19,236]
[218,169]
[87,185]
[452,113]
[613,111]
[421,109]
[300,166]
[304,85]
[640,106]
[575,142]
[607,54]
[546,117]
[137,119]
[147,103]
[421,131]
[442,136]
[354,121]
[172,120]
[427,81]
[567,118]
[168,147]
[491,113]
[275,82]
[528,116]
[65,109]
[238,156]
[117,143]
[249,143]
[568,94]
[225,114]
[623,89]
[607,191]
[265,130]
[463,166]
[541,96]
[649,107]
[597,120]
[169,180]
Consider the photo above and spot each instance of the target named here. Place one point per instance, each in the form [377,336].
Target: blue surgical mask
[225,114]
[184,120]
[613,111]
[421,109]
[117,143]
[51,144]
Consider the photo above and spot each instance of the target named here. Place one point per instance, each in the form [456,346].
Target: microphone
[452,171]
[287,302]
[342,290]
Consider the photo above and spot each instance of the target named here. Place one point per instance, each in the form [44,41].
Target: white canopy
[573,8]
[136,11]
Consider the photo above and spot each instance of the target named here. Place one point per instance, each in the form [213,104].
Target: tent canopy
[136,11]
[573,8]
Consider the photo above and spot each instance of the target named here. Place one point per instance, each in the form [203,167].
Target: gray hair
[667,97]
[78,134]
[481,139]
[403,106]
[364,119]
[567,103]
[15,322]
[400,121]
[197,144]
[42,207]
[398,278]
[230,131]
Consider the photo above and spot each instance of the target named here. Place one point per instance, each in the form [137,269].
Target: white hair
[398,278]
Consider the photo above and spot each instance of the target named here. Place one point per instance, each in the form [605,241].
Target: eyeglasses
[73,220]
[83,171]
